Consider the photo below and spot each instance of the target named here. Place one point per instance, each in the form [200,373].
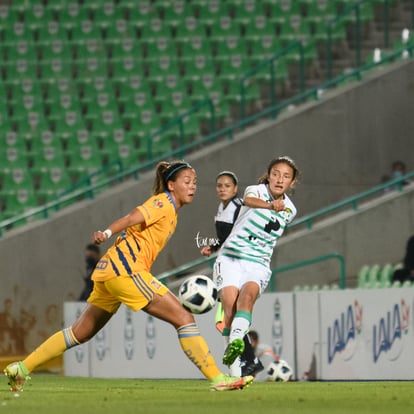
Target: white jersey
[257,230]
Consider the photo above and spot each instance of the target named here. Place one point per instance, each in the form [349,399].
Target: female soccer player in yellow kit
[123,276]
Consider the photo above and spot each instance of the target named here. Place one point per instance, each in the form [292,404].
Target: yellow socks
[197,351]
[51,348]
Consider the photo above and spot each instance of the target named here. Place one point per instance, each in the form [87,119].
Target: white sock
[239,328]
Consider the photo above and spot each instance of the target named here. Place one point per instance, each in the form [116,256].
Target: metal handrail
[308,262]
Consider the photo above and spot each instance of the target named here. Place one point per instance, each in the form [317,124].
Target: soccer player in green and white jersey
[242,268]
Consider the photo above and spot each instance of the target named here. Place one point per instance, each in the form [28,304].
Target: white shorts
[235,272]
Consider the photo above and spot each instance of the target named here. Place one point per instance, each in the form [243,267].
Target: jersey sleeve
[153,209]
[252,191]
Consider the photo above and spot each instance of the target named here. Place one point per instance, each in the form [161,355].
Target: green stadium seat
[173,104]
[136,83]
[84,30]
[24,104]
[54,48]
[52,183]
[152,30]
[158,68]
[52,69]
[45,138]
[362,276]
[36,14]
[106,120]
[121,70]
[174,14]
[98,103]
[107,14]
[87,90]
[233,67]
[318,11]
[17,91]
[127,46]
[245,13]
[85,162]
[8,17]
[49,156]
[223,28]
[197,66]
[71,14]
[211,12]
[294,29]
[56,87]
[135,102]
[13,158]
[31,124]
[19,201]
[170,84]
[280,11]
[139,13]
[17,70]
[145,123]
[160,47]
[51,30]
[89,48]
[64,102]
[17,31]
[201,88]
[80,138]
[21,49]
[68,124]
[89,68]
[189,29]
[259,27]
[16,178]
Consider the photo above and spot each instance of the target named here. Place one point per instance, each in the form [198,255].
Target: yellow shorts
[135,291]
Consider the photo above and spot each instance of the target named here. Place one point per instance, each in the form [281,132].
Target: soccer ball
[198,294]
[279,371]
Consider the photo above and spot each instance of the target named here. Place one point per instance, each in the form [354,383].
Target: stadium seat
[197,66]
[18,202]
[189,29]
[36,14]
[108,14]
[210,12]
[123,68]
[139,13]
[84,30]
[152,29]
[89,68]
[106,120]
[64,102]
[71,14]
[127,46]
[68,124]
[160,47]
[222,28]
[49,156]
[52,69]
[259,27]
[13,157]
[135,102]
[158,68]
[94,47]
[43,139]
[16,177]
[84,162]
[176,13]
[22,49]
[51,30]
[52,183]
[173,104]
[245,12]
[362,276]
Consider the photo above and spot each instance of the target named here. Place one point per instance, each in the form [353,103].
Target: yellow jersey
[136,248]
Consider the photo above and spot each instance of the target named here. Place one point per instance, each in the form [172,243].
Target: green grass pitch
[61,395]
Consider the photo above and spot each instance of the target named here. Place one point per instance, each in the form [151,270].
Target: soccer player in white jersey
[242,269]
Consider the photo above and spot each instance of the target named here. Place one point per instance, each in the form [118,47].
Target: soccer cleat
[17,374]
[252,368]
[226,383]
[233,350]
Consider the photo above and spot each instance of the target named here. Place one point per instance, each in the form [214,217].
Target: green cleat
[17,374]
[233,350]
[227,383]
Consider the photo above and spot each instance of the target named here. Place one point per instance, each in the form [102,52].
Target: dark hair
[93,247]
[167,171]
[264,179]
[229,174]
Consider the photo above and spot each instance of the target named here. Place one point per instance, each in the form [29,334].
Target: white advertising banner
[307,335]
[367,334]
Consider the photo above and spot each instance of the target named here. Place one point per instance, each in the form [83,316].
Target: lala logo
[388,336]
[343,334]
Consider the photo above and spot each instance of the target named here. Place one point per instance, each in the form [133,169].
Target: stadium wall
[343,145]
[356,334]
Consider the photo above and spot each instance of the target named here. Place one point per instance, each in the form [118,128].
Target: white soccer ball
[198,294]
[279,371]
